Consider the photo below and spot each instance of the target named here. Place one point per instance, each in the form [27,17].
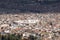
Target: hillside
[29,6]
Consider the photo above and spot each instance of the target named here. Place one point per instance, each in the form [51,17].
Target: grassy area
[10,37]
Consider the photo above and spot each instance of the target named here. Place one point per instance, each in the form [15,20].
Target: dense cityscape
[46,28]
[29,19]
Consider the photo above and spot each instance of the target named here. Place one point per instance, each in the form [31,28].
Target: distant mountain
[25,5]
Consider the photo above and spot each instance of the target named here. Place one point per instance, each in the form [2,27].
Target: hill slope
[29,6]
